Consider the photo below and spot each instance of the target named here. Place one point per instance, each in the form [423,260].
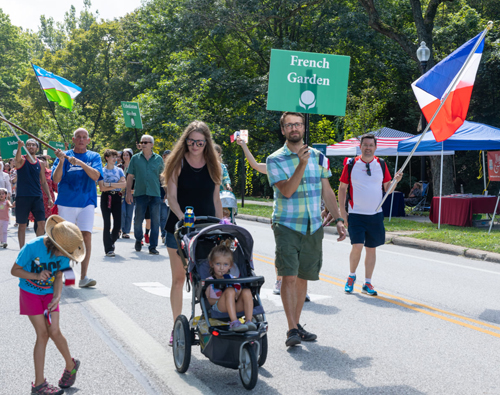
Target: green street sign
[8,146]
[308,82]
[132,115]
[55,144]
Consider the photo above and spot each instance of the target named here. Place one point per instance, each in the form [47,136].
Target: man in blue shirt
[76,171]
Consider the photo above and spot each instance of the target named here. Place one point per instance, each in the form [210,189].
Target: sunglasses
[199,143]
[368,171]
[145,142]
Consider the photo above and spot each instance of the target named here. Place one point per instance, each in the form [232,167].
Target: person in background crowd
[113,180]
[5,180]
[31,177]
[4,216]
[13,183]
[127,209]
[226,181]
[76,173]
[415,194]
[193,174]
[52,188]
[164,208]
[6,168]
[145,167]
[119,162]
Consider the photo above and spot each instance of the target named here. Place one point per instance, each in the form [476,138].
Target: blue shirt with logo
[76,188]
[35,258]
[112,176]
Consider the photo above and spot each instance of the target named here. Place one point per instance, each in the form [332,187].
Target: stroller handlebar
[206,218]
[229,281]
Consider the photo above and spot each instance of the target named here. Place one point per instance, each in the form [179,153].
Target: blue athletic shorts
[367,229]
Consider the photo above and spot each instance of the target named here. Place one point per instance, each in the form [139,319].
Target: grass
[476,238]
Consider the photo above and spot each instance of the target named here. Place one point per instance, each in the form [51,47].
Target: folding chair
[422,204]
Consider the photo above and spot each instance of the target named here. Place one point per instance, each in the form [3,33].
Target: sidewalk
[398,238]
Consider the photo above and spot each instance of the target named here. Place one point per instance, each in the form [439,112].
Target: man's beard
[295,139]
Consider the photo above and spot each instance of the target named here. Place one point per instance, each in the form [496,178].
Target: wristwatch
[339,219]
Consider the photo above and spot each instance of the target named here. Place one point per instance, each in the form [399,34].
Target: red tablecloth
[458,211]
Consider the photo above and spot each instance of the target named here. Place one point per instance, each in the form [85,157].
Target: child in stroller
[233,298]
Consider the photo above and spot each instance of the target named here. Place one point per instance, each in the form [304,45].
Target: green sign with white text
[56,145]
[308,82]
[132,115]
[8,146]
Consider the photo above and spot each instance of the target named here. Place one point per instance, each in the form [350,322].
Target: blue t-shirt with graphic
[35,258]
[76,188]
[112,175]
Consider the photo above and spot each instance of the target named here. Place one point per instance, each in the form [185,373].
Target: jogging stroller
[244,351]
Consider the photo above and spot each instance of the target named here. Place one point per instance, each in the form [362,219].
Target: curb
[397,239]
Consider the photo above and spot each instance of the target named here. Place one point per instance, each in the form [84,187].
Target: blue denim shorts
[170,240]
[215,308]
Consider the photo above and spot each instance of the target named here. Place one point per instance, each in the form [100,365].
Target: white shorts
[83,217]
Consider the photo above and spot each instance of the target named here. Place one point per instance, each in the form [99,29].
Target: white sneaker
[87,282]
[277,287]
[110,253]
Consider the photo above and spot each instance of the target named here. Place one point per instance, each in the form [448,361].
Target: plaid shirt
[305,204]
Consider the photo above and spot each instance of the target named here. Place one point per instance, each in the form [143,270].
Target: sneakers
[46,388]
[171,341]
[146,238]
[305,335]
[277,287]
[138,245]
[68,378]
[87,282]
[308,299]
[251,326]
[349,285]
[154,251]
[237,326]
[292,338]
[4,245]
[125,236]
[368,289]
[110,253]
[163,240]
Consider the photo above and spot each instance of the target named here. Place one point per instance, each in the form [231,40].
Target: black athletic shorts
[27,204]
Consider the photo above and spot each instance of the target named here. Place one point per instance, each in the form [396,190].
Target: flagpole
[29,134]
[15,134]
[450,89]
[48,103]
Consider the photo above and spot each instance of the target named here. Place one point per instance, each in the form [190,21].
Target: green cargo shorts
[298,254]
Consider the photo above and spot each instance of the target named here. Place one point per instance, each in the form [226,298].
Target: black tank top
[194,188]
[28,178]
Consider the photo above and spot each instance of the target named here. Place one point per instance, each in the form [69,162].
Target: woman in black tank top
[193,176]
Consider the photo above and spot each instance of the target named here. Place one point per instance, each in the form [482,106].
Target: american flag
[387,144]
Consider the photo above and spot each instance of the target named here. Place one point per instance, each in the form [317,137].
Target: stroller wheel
[263,350]
[182,344]
[248,367]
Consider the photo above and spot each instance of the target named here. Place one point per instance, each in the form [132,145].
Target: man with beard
[30,181]
[299,176]
[367,178]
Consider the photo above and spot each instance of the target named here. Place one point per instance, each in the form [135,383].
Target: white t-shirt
[365,191]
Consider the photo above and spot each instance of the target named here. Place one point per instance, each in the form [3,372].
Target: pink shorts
[32,304]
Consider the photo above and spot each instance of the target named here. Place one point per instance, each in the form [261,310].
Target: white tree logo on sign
[307,100]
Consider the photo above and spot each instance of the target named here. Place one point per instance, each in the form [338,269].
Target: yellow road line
[409,304]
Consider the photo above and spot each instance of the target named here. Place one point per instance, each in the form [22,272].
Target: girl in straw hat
[39,266]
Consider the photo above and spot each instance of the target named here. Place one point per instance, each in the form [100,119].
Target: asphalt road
[433,329]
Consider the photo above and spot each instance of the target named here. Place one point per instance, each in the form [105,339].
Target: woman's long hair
[181,148]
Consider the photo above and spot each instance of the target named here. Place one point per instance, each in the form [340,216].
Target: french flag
[324,161]
[432,87]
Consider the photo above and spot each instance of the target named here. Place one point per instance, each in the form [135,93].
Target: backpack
[350,165]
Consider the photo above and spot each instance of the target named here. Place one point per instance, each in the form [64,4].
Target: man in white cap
[30,181]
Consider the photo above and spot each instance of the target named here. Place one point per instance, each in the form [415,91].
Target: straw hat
[66,236]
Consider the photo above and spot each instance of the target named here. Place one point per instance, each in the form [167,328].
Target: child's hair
[4,190]
[51,247]
[223,249]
